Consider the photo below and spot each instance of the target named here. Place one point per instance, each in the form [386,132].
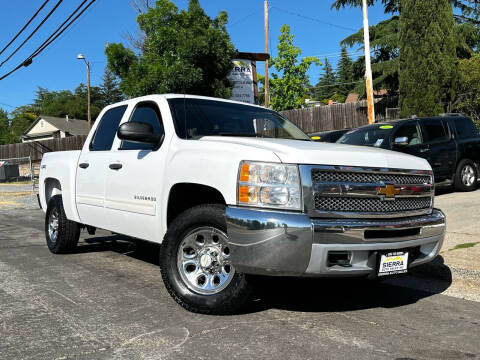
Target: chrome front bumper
[293,244]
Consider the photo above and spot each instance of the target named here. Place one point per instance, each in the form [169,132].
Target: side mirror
[401,141]
[139,133]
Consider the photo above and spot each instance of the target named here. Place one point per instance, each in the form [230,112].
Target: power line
[243,18]
[13,107]
[335,84]
[61,25]
[314,19]
[24,26]
[32,33]
[47,42]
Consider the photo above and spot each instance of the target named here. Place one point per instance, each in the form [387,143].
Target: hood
[317,153]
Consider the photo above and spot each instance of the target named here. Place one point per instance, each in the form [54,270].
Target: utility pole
[368,66]
[267,92]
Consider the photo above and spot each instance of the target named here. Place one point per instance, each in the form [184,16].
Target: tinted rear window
[435,130]
[106,130]
[465,128]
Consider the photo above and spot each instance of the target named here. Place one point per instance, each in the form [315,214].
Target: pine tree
[325,88]
[427,57]
[345,73]
[109,89]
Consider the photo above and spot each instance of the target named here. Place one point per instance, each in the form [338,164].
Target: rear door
[440,147]
[92,169]
[132,195]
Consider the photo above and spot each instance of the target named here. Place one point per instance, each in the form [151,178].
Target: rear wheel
[61,234]
[466,176]
[195,263]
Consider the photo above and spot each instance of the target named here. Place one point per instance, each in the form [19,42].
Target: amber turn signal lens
[245,173]
[243,194]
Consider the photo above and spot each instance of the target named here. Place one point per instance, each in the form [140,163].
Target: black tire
[227,301]
[460,183]
[68,232]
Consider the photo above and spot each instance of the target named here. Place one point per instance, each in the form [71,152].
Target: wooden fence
[338,116]
[36,149]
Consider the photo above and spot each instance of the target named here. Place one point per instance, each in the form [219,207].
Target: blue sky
[109,20]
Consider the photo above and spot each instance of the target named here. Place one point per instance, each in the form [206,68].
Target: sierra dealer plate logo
[393,263]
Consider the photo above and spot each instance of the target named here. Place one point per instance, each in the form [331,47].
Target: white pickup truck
[230,189]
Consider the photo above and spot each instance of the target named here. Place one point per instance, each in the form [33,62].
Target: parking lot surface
[107,301]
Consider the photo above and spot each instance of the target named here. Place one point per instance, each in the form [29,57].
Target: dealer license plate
[393,263]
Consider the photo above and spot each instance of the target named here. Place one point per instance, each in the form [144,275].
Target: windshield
[373,135]
[218,118]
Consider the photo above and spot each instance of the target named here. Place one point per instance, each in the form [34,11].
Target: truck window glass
[373,135]
[149,114]
[218,118]
[410,131]
[465,128]
[106,130]
[435,130]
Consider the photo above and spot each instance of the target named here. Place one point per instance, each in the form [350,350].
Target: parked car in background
[449,142]
[330,136]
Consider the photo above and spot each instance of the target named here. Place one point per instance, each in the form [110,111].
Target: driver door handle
[83,165]
[424,150]
[115,166]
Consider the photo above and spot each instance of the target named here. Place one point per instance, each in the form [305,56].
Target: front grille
[357,177]
[371,205]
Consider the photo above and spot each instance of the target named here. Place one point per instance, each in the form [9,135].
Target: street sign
[242,78]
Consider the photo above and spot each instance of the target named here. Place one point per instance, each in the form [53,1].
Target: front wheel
[61,234]
[195,263]
[466,176]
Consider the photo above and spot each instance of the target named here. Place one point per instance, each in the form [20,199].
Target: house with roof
[49,127]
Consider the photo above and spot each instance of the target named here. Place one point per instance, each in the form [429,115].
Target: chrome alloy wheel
[468,175]
[53,225]
[203,261]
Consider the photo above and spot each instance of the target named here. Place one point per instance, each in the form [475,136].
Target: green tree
[182,51]
[468,89]
[345,73]
[289,89]
[427,57]
[326,86]
[4,127]
[64,102]
[384,42]
[109,90]
[21,118]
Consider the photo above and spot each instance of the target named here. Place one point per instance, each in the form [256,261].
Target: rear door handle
[424,150]
[84,165]
[115,166]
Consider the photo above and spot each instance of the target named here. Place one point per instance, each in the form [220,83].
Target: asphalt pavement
[107,301]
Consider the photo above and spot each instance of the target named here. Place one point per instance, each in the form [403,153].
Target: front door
[92,169]
[132,195]
[415,144]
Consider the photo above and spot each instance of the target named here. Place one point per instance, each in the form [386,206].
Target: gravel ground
[17,196]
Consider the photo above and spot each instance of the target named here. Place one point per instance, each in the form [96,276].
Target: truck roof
[186,96]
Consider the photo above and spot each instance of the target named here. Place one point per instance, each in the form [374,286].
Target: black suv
[450,143]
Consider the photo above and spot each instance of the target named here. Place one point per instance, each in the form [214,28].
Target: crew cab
[231,190]
[450,143]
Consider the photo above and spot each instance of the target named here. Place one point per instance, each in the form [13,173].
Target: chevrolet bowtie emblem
[389,191]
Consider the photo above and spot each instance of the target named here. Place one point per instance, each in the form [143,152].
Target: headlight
[269,185]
